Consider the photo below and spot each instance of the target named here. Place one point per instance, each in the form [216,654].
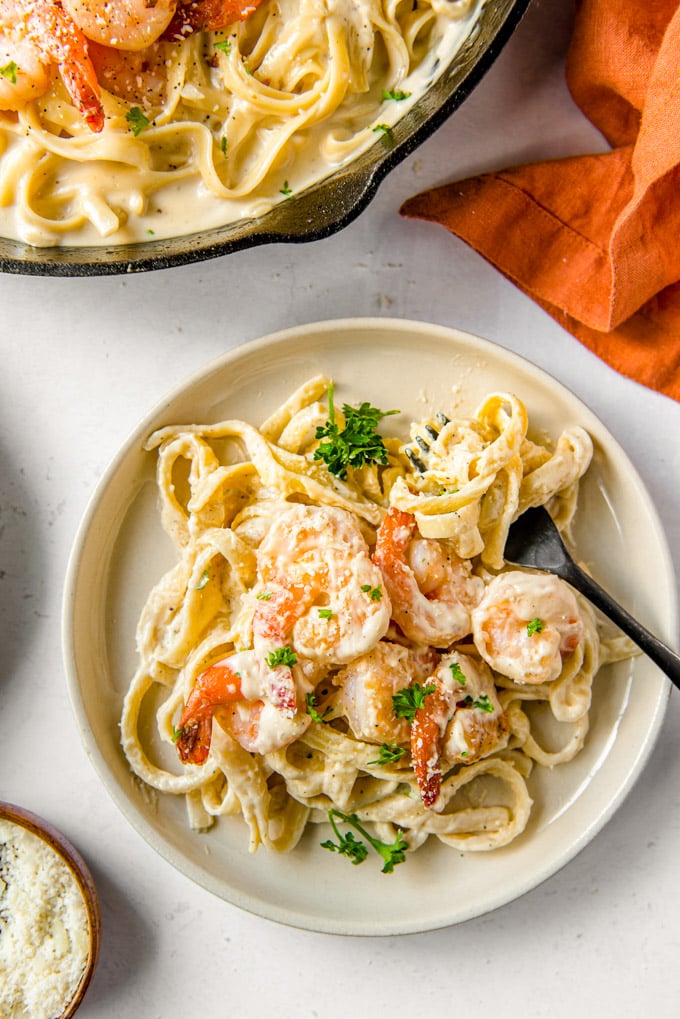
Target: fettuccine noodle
[388,580]
[220,126]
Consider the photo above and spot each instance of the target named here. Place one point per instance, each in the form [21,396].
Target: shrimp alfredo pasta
[129,119]
[341,638]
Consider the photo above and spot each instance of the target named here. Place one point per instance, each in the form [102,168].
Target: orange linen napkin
[595,239]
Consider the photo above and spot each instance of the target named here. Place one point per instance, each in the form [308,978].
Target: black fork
[534,541]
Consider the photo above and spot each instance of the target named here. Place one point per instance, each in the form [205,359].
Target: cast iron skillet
[317,212]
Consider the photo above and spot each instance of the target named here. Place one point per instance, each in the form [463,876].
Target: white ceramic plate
[121,551]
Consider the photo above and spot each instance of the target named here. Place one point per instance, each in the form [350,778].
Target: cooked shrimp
[208,16]
[25,74]
[236,691]
[36,37]
[138,77]
[431,589]
[321,594]
[526,624]
[122,24]
[461,720]
[369,684]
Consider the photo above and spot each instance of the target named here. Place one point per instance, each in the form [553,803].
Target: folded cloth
[595,239]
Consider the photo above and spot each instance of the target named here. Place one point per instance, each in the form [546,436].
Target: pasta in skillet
[126,120]
[340,637]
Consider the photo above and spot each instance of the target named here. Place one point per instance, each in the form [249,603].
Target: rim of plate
[291,916]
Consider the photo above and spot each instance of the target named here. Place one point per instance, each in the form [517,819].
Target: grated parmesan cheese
[44,928]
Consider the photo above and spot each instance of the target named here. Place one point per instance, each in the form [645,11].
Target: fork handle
[660,653]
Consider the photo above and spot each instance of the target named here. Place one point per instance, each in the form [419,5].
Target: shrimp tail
[207,16]
[52,28]
[427,728]
[193,742]
[217,686]
[392,539]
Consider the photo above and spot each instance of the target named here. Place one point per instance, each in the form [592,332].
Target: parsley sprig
[358,443]
[137,120]
[311,706]
[386,131]
[484,703]
[407,701]
[281,656]
[9,71]
[458,673]
[389,753]
[535,626]
[348,845]
[394,93]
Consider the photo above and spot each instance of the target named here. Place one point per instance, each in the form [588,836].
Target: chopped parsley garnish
[388,754]
[348,845]
[374,593]
[310,705]
[223,144]
[357,444]
[205,578]
[535,626]
[386,131]
[407,701]
[9,71]
[282,656]
[264,596]
[176,733]
[458,673]
[137,120]
[325,613]
[224,45]
[483,703]
[286,189]
[394,93]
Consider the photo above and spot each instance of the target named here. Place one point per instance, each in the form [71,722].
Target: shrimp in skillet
[208,16]
[37,40]
[136,24]
[122,24]
[431,589]
[526,624]
[460,721]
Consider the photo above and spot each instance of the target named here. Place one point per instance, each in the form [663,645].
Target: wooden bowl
[59,844]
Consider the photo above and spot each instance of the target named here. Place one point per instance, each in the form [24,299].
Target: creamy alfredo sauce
[188,206]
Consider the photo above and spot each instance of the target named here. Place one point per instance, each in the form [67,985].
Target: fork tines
[414,458]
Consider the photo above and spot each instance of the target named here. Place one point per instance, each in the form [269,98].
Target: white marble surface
[82,362]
